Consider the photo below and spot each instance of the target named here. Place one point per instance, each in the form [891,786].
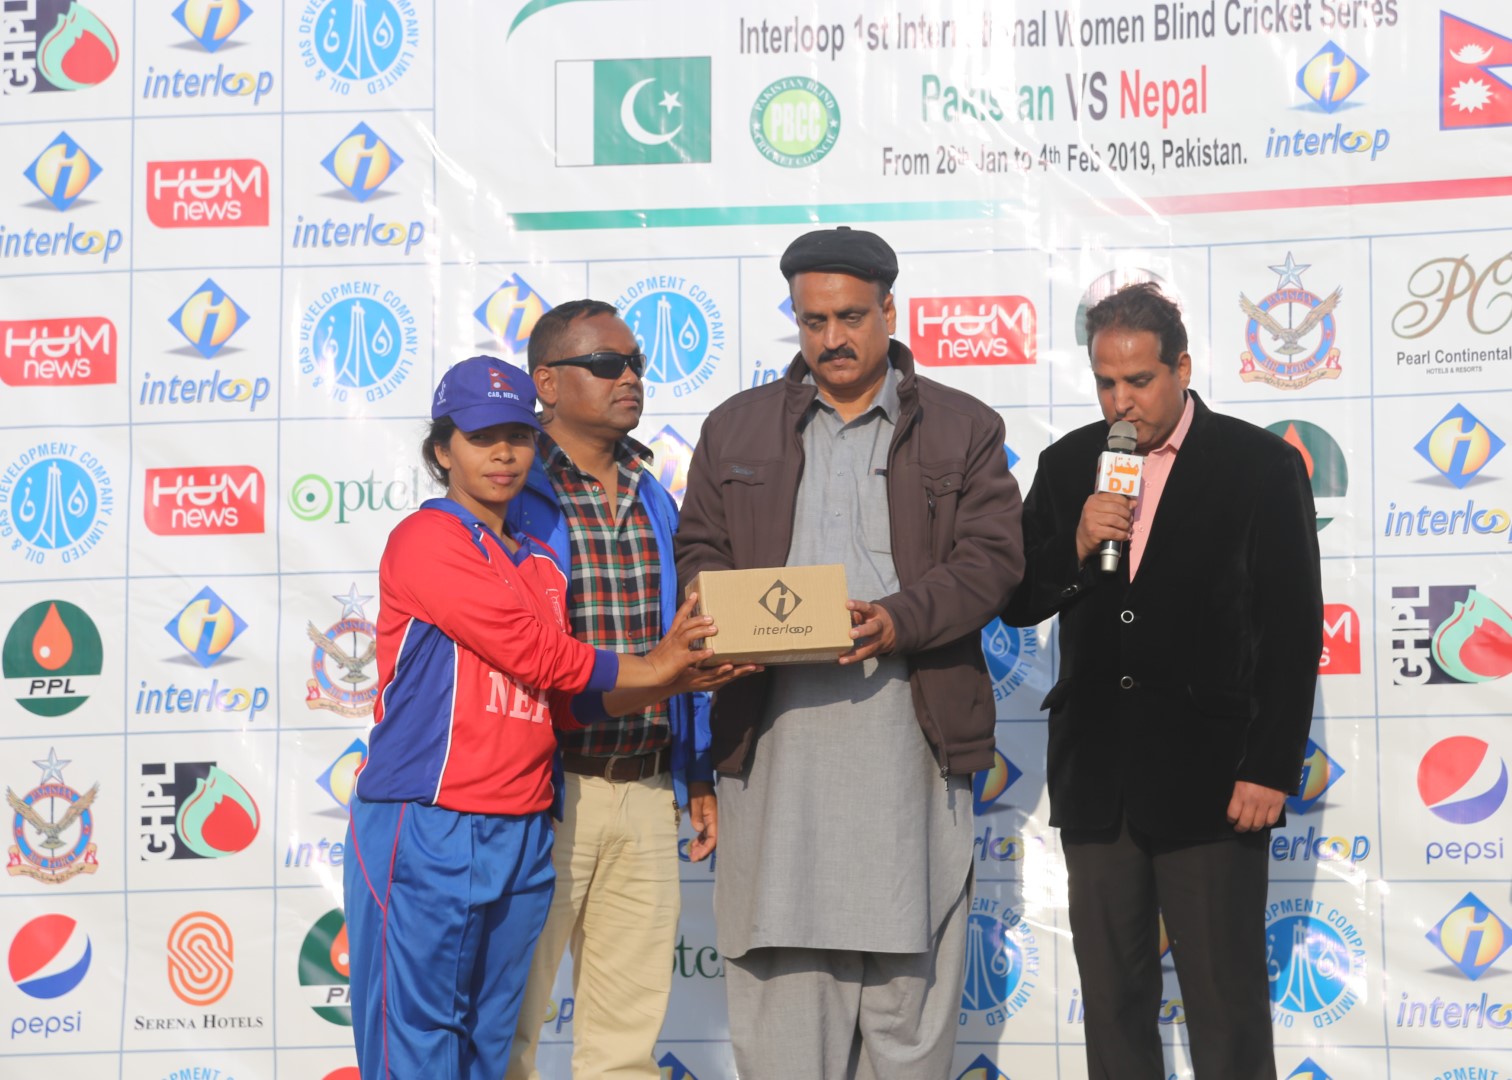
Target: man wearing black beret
[844,881]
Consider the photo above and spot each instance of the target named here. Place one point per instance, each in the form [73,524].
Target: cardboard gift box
[775,615]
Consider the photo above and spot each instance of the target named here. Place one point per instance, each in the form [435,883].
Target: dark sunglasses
[606,365]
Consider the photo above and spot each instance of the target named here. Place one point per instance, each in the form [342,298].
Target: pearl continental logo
[358,341]
[1315,961]
[1002,963]
[52,658]
[679,327]
[55,45]
[795,122]
[362,45]
[53,829]
[56,501]
[342,674]
[1284,318]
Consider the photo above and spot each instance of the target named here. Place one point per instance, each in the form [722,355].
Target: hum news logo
[77,351]
[1447,634]
[957,331]
[207,500]
[230,193]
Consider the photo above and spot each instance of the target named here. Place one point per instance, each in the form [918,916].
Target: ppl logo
[52,658]
[972,330]
[325,969]
[211,22]
[1341,641]
[205,627]
[1330,77]
[1459,446]
[207,194]
[511,311]
[361,162]
[192,810]
[55,45]
[1462,780]
[1319,773]
[672,454]
[989,784]
[1327,469]
[1447,634]
[208,318]
[62,171]
[201,956]
[58,352]
[209,500]
[49,956]
[1472,936]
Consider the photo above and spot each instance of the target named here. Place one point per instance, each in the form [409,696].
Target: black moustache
[837,354]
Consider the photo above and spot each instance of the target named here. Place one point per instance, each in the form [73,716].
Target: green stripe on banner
[684,216]
[535,7]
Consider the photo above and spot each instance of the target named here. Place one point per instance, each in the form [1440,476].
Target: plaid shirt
[615,602]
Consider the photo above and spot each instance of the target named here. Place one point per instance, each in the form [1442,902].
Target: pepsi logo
[49,956]
[1461,780]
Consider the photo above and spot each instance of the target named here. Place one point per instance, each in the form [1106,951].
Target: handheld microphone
[1119,470]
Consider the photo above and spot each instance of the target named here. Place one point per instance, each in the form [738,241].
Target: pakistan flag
[632,112]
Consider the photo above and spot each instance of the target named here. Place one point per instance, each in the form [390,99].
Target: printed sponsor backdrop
[239,242]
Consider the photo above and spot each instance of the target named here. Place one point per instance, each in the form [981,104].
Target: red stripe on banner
[1290,198]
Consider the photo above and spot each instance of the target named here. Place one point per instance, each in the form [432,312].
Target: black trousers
[1213,897]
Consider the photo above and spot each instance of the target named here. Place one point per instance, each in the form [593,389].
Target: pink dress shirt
[1157,469]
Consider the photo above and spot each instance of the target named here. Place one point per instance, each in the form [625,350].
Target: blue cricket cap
[483,391]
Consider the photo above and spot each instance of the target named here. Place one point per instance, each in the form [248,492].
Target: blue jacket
[536,513]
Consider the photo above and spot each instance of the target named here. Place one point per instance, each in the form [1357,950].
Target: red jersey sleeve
[479,601]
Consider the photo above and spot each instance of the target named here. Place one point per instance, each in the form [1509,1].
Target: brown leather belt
[617,770]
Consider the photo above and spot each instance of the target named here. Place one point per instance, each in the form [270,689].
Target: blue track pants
[443,910]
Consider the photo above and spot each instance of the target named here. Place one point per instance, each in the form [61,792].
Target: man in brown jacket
[845,836]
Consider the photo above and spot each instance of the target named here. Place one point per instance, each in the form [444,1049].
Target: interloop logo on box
[205,500]
[230,193]
[57,352]
[971,330]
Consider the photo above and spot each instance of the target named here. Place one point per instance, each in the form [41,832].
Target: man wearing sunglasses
[843,892]
[593,499]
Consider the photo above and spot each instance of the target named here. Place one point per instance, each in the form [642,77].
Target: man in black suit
[1178,724]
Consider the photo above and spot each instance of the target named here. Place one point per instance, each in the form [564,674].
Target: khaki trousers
[616,904]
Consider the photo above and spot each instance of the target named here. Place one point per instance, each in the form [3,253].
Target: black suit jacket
[1201,671]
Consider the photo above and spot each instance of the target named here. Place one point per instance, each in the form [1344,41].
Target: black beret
[842,251]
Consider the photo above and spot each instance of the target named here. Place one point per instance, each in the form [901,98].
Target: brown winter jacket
[956,541]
